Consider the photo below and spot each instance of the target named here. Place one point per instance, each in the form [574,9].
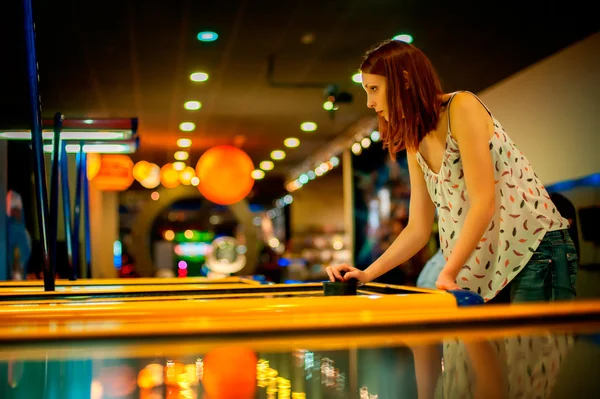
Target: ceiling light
[404,38]
[96,148]
[179,166]
[366,142]
[187,126]
[192,105]
[335,161]
[257,174]
[207,36]
[186,175]
[375,136]
[184,143]
[199,77]
[267,165]
[356,148]
[308,126]
[291,142]
[195,181]
[278,155]
[182,155]
[68,135]
[357,77]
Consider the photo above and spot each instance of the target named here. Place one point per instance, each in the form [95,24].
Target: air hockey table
[367,346]
[231,292]
[63,284]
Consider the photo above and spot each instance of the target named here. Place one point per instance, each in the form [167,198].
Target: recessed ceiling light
[199,77]
[184,143]
[291,142]
[406,38]
[278,155]
[181,155]
[267,165]
[257,174]
[308,126]
[192,105]
[179,166]
[207,36]
[187,126]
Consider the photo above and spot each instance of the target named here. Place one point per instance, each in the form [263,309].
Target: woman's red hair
[414,103]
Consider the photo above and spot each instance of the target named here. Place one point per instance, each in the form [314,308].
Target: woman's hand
[446,281]
[345,272]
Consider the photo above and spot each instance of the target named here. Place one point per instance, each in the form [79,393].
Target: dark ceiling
[119,58]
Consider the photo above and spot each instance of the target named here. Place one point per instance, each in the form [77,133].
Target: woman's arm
[472,127]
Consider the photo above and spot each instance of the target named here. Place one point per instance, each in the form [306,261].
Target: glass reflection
[548,365]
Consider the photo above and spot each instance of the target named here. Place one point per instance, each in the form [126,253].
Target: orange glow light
[169,177]
[115,173]
[225,175]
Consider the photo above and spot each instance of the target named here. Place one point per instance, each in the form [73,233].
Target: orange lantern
[169,177]
[153,178]
[93,165]
[141,170]
[114,174]
[225,175]
[230,373]
[186,175]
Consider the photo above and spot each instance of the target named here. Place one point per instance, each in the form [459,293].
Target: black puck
[338,288]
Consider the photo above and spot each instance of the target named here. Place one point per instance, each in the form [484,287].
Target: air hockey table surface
[211,309]
[215,289]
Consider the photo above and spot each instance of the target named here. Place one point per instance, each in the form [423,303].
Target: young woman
[499,231]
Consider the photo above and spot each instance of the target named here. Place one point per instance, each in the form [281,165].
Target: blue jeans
[549,275]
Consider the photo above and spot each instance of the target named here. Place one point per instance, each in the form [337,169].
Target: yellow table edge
[260,315]
[172,348]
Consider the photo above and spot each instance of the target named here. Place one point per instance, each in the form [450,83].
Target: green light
[207,36]
[357,77]
[406,38]
[197,236]
[327,105]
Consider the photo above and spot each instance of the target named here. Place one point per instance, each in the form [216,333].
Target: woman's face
[375,86]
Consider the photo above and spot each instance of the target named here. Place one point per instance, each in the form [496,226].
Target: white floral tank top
[524,212]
